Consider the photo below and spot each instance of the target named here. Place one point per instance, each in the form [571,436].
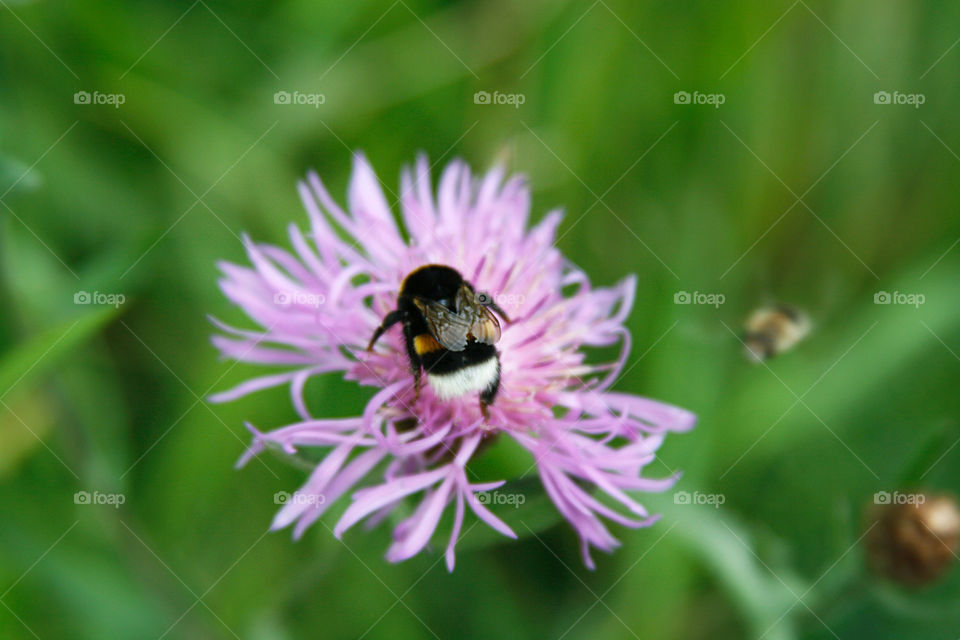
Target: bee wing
[447,327]
[484,326]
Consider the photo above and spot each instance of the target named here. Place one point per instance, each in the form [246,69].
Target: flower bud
[916,541]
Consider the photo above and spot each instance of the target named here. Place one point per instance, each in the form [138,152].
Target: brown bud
[915,537]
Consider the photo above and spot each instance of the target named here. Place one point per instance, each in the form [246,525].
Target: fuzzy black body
[435,308]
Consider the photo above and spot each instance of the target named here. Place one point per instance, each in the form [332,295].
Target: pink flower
[318,306]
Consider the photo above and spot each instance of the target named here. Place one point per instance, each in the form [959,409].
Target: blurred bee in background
[770,331]
[449,332]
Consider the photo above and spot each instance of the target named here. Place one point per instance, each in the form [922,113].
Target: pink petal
[369,500]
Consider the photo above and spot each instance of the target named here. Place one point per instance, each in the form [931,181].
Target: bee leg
[391,319]
[415,363]
[488,395]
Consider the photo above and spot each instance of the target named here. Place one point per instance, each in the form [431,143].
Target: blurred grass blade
[16,176]
[43,350]
[762,593]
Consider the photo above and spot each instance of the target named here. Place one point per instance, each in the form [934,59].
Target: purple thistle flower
[319,305]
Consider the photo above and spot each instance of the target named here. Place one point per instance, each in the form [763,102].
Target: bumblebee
[773,330]
[449,332]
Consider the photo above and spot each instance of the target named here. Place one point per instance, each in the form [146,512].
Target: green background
[141,200]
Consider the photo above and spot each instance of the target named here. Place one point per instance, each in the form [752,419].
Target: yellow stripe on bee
[426,343]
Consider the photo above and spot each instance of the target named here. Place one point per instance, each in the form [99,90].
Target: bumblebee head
[434,282]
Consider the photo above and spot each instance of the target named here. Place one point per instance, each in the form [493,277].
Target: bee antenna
[500,312]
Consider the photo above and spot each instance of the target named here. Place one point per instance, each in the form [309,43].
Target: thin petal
[449,555]
[369,500]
